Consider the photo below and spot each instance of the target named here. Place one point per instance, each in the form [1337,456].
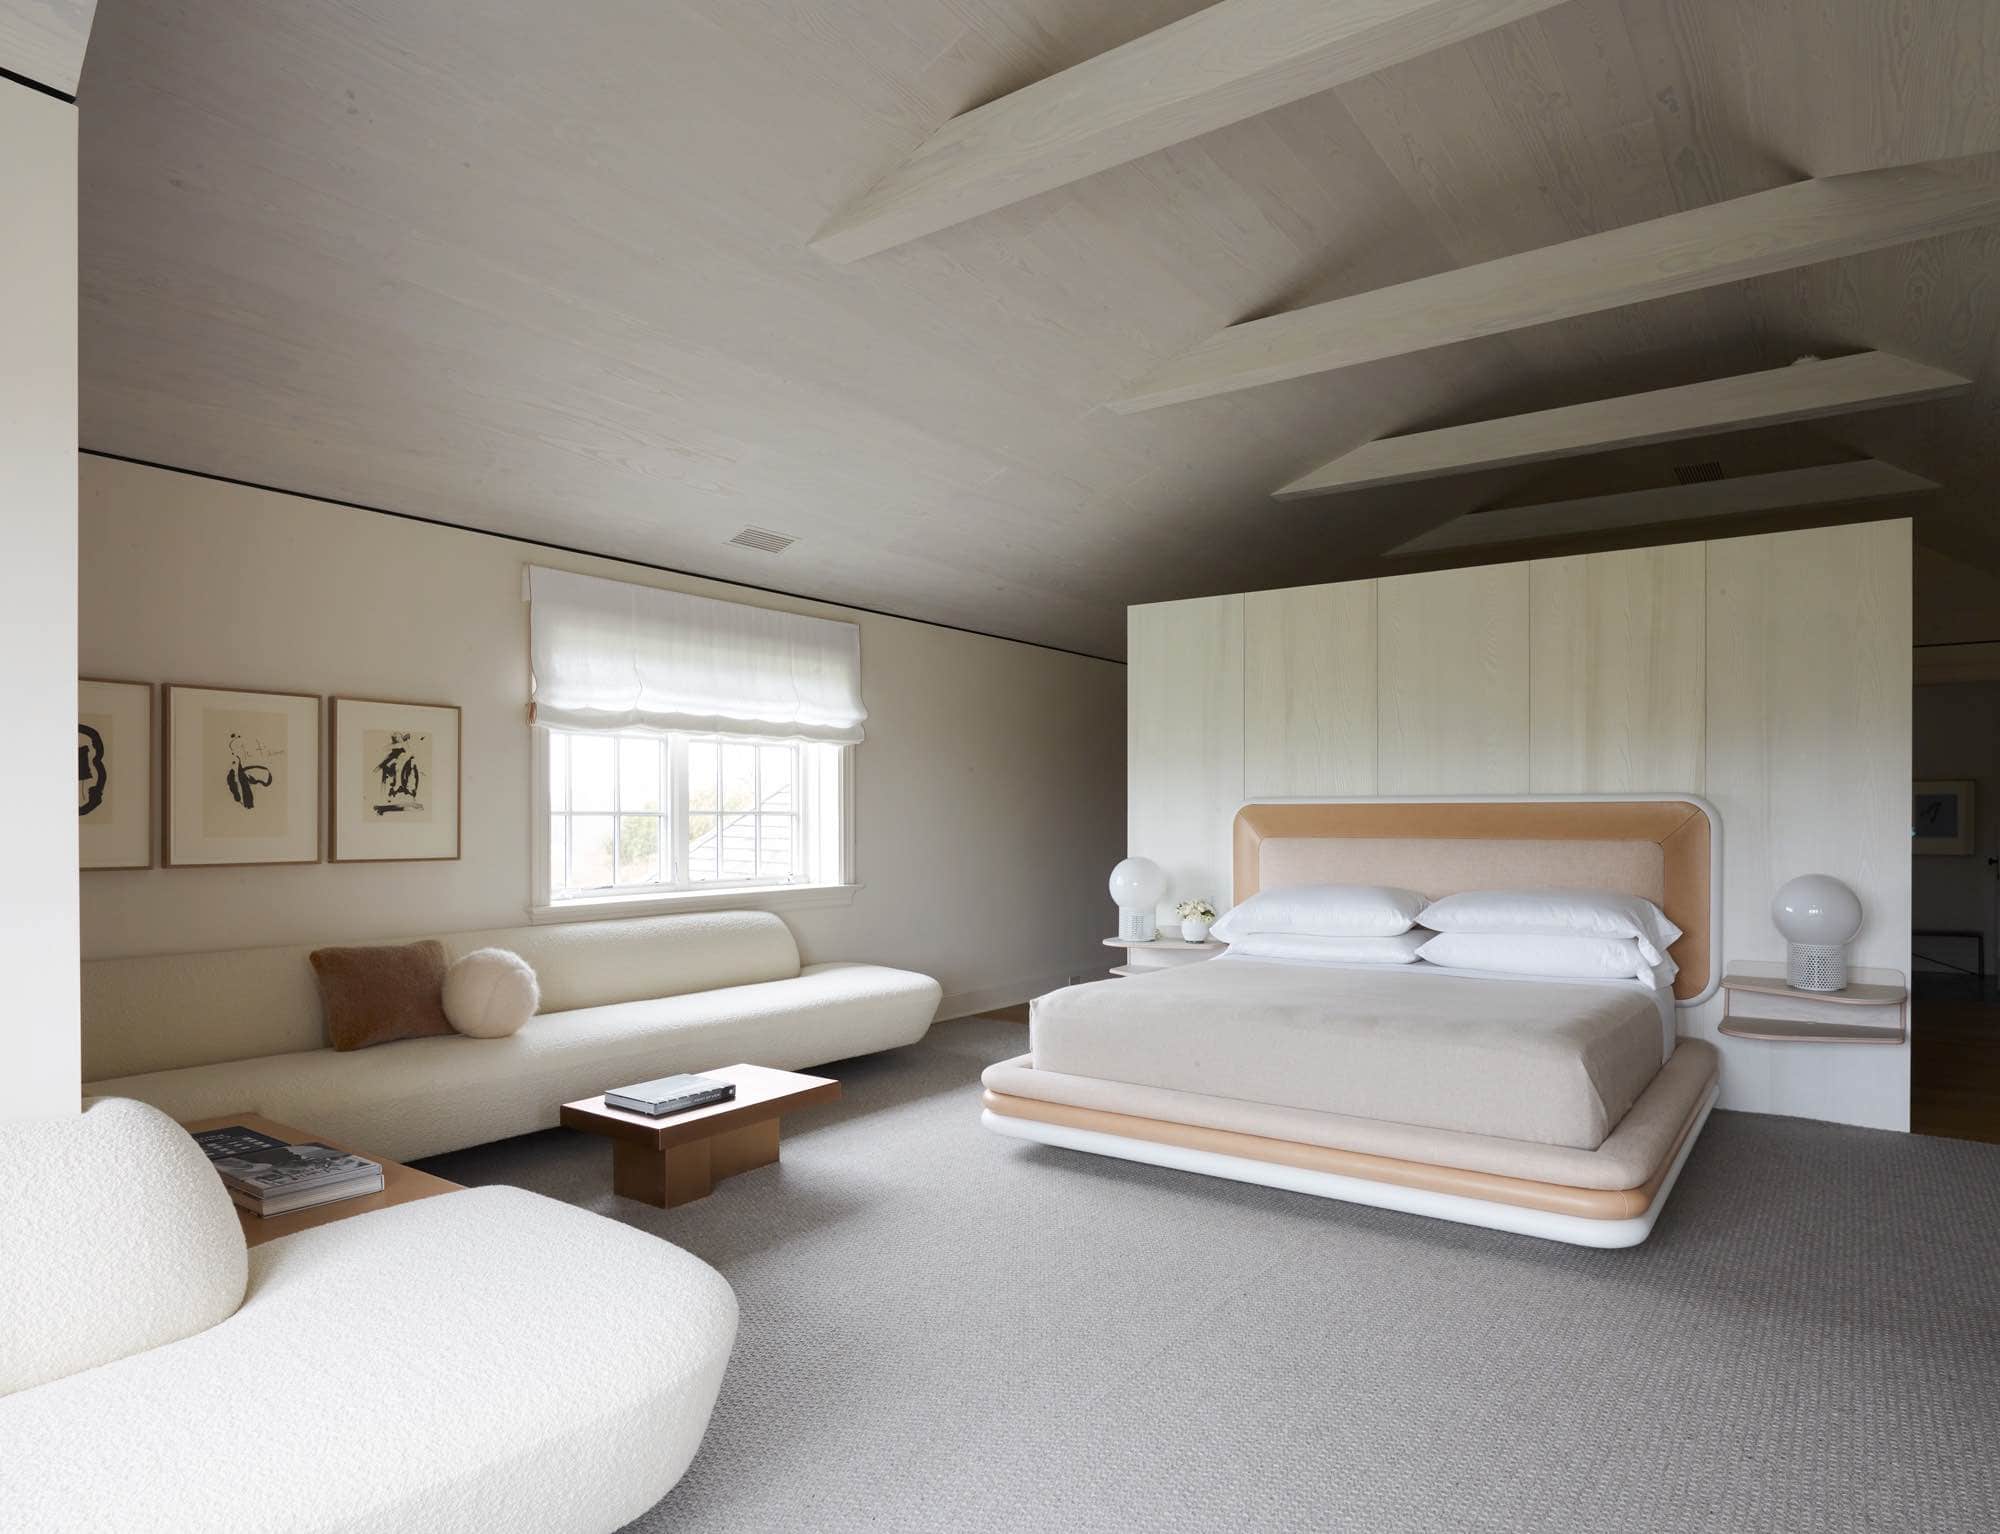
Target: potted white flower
[1195,916]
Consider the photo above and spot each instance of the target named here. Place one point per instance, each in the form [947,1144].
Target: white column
[40,1068]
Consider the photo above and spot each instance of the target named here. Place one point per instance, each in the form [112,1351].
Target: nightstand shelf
[1161,953]
[1874,1009]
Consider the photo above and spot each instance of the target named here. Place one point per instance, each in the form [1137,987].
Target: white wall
[1770,674]
[39,1072]
[988,792]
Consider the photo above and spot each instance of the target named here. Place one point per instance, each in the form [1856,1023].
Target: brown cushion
[376,995]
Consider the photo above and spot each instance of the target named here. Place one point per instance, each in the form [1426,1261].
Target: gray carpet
[946,1330]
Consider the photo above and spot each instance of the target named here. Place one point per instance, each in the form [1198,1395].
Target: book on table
[267,1175]
[670,1094]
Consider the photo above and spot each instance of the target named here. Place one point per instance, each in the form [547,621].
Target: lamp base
[1816,966]
[1136,924]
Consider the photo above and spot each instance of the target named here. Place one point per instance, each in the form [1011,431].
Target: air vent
[1697,473]
[763,540]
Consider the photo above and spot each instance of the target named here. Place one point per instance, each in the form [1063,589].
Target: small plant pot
[1194,929]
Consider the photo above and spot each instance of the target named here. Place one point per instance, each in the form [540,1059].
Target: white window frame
[833,886]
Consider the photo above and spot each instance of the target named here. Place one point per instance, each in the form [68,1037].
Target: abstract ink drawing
[247,774]
[400,774]
[90,773]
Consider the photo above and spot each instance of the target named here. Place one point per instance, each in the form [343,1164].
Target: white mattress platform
[1620,1216]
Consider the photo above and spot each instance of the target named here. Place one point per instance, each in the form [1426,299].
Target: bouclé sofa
[200,1035]
[482,1362]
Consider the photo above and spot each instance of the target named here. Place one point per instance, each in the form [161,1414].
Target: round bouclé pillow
[490,993]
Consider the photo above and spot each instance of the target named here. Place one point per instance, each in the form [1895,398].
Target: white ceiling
[542,269]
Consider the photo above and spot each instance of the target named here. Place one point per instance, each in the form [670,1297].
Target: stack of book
[268,1176]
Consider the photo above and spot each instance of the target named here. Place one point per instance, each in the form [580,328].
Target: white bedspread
[1554,1063]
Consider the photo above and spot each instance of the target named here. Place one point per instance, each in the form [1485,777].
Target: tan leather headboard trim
[1680,827]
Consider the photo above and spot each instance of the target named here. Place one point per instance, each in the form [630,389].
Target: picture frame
[114,787]
[395,778]
[239,776]
[1943,817]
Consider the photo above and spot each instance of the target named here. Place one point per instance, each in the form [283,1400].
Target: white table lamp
[1818,917]
[1137,885]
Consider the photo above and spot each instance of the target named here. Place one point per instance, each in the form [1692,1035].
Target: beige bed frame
[1665,848]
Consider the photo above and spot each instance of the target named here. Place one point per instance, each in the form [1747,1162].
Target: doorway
[1955,909]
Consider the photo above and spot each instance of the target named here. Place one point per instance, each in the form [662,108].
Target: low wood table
[675,1160]
[400,1184]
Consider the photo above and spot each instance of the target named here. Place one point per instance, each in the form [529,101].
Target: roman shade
[609,655]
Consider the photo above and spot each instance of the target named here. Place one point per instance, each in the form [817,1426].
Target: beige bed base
[1663,847]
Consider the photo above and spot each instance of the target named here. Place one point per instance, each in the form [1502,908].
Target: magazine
[262,1165]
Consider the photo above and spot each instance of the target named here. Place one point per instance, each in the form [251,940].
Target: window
[685,744]
[631,814]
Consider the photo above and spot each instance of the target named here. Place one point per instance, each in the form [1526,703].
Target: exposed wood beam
[43,40]
[1223,64]
[1825,484]
[1802,392]
[1773,231]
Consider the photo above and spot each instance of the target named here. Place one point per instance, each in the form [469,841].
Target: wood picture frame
[1943,817]
[239,776]
[396,775]
[114,724]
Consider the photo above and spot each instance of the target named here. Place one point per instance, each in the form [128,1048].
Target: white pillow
[1564,958]
[1313,947]
[490,993]
[1330,910]
[1556,913]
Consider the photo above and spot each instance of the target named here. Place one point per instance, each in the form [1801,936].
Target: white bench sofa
[200,1035]
[482,1362]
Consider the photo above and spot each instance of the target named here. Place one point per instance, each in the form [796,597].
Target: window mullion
[677,809]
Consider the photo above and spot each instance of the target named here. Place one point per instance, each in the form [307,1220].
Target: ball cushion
[490,993]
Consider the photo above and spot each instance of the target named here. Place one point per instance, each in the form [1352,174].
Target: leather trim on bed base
[1486,1187]
[1487,1213]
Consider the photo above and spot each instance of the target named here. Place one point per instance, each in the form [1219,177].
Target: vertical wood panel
[1618,664]
[1309,691]
[1809,762]
[1453,681]
[1184,747]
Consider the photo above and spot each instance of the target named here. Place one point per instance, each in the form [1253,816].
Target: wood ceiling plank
[1221,65]
[1826,484]
[1802,392]
[43,40]
[1774,231]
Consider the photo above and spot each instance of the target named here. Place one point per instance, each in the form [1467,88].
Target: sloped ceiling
[543,270]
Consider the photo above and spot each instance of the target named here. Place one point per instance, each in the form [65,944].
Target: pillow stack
[1565,934]
[1326,923]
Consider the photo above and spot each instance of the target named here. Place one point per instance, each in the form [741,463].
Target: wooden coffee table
[675,1160]
[400,1184]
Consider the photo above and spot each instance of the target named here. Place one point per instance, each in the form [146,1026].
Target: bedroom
[591,544]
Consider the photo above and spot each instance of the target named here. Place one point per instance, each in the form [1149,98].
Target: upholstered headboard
[1666,849]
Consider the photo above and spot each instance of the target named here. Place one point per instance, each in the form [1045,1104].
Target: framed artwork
[114,773]
[395,781]
[241,777]
[1941,818]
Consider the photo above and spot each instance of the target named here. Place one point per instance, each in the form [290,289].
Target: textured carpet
[946,1330]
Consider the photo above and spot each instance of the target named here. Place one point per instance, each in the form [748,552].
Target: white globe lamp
[1137,884]
[1818,917]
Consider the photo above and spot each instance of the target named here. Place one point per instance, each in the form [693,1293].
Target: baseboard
[971,1003]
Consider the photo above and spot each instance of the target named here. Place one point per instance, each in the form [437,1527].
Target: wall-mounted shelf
[1874,1009]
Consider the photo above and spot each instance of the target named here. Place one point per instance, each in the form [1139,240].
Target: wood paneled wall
[1770,674]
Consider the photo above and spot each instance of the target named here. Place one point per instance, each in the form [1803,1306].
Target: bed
[1560,1109]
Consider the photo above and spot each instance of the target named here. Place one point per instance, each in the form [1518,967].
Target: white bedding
[1662,996]
[1541,1061]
